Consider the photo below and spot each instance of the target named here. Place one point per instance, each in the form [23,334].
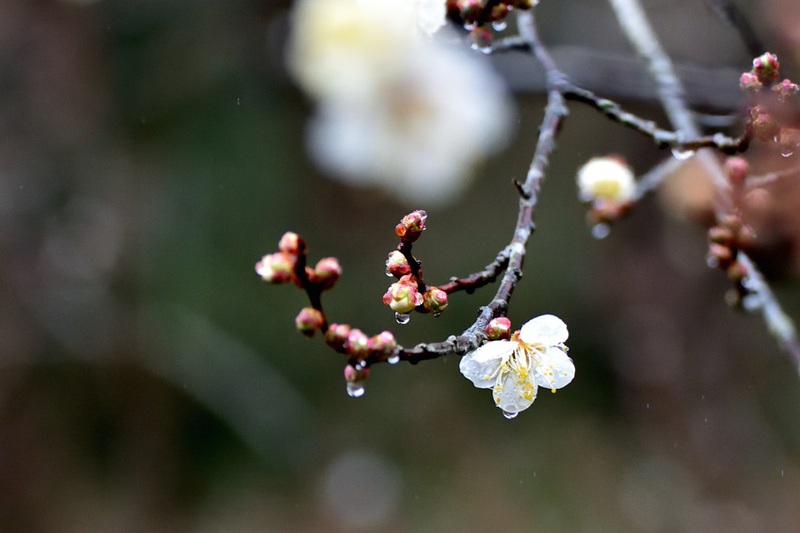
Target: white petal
[555,369]
[546,329]
[513,395]
[480,366]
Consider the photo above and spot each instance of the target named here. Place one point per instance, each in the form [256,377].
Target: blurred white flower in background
[606,178]
[396,108]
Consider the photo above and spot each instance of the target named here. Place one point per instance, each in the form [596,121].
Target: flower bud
[737,168]
[736,272]
[606,178]
[411,226]
[327,272]
[402,297]
[766,67]
[719,235]
[435,300]
[749,82]
[397,265]
[276,268]
[357,344]
[470,10]
[785,90]
[336,336]
[720,255]
[291,243]
[762,124]
[308,321]
[498,328]
[383,343]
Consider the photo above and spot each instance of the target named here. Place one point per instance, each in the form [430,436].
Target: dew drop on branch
[499,25]
[509,415]
[601,231]
[355,389]
[682,155]
[402,318]
[393,360]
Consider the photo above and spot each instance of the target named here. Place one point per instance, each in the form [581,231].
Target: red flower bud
[749,82]
[411,226]
[434,300]
[766,67]
[499,328]
[397,265]
[327,272]
[357,344]
[308,321]
[276,268]
[291,243]
[336,336]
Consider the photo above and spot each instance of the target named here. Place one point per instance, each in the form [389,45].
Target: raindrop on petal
[682,155]
[601,231]
[355,389]
[402,318]
[509,415]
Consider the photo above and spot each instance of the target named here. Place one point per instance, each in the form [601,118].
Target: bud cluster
[288,265]
[725,241]
[771,102]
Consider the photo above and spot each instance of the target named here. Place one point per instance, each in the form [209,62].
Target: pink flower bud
[336,336]
[357,344]
[327,272]
[291,243]
[383,343]
[411,226]
[749,82]
[402,297]
[499,328]
[434,300]
[737,168]
[354,378]
[785,90]
[276,268]
[762,124]
[308,321]
[397,265]
[766,67]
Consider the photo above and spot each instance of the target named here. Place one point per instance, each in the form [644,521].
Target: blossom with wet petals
[515,369]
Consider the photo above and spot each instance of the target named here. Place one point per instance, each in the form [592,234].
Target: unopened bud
[357,344]
[327,272]
[766,67]
[470,10]
[308,321]
[411,226]
[720,255]
[276,268]
[499,12]
[355,375]
[402,296]
[762,124]
[435,300]
[336,336]
[397,265]
[736,272]
[719,235]
[291,243]
[737,168]
[498,328]
[785,90]
[383,343]
[749,82]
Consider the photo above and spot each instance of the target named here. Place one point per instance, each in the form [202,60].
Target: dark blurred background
[152,151]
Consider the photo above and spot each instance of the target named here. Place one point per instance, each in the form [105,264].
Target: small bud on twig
[309,321]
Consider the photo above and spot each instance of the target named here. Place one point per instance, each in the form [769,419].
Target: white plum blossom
[514,369]
[606,178]
[396,108]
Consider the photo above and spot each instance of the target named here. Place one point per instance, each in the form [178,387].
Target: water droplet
[355,389]
[601,231]
[481,49]
[682,155]
[402,318]
[787,153]
[470,26]
[499,25]
[647,406]
[437,314]
[394,359]
[509,415]
[712,261]
[389,274]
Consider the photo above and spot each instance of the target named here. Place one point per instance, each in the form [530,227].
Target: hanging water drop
[712,261]
[355,389]
[601,230]
[389,274]
[393,360]
[437,314]
[482,49]
[402,318]
[509,415]
[499,25]
[787,153]
[682,155]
